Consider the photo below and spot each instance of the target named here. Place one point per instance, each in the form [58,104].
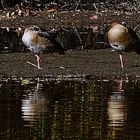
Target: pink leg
[121,60]
[38,62]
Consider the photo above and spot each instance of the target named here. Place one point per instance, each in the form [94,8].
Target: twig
[79,38]
[101,42]
[77,4]
[32,64]
[95,6]
[64,6]
[66,30]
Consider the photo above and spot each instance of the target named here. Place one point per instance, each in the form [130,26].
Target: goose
[123,39]
[39,40]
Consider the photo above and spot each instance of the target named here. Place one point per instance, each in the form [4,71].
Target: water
[69,109]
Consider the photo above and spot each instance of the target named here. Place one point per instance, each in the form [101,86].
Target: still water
[70,109]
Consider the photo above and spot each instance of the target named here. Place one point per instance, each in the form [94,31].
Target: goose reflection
[117,109]
[33,105]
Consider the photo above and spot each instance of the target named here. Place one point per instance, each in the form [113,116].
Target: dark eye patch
[36,29]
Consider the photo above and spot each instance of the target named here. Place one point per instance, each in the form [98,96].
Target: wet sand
[89,63]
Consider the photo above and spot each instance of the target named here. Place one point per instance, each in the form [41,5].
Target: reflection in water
[117,110]
[117,107]
[72,109]
[117,114]
[33,105]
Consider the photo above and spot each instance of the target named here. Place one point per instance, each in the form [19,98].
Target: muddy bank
[79,18]
[100,63]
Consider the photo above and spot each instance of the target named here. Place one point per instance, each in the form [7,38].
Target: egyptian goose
[123,39]
[38,40]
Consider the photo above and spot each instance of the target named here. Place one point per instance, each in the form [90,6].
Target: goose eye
[36,29]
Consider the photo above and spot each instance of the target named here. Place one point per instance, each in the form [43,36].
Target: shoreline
[85,63]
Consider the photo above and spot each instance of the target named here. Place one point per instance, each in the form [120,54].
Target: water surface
[70,109]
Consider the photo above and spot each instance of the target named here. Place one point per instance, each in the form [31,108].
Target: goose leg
[121,60]
[38,61]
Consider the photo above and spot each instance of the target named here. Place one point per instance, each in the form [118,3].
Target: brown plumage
[38,40]
[123,39]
